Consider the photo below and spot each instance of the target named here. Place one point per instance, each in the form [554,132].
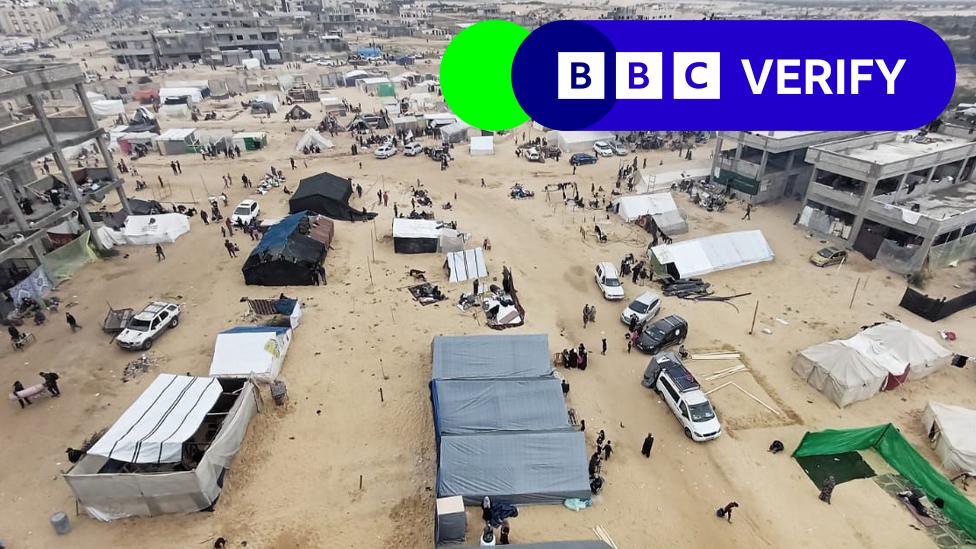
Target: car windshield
[139,325]
[639,307]
[701,412]
[611,282]
[826,252]
[242,210]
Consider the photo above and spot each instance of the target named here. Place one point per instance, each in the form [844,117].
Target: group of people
[50,384]
[488,537]
[575,357]
[604,450]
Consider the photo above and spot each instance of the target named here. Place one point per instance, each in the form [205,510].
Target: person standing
[159,253]
[604,347]
[395,211]
[230,248]
[379,198]
[486,510]
[386,198]
[586,314]
[503,533]
[23,401]
[828,489]
[607,450]
[748,213]
[203,216]
[179,169]
[172,166]
[648,445]
[230,226]
[600,437]
[51,382]
[72,323]
[359,190]
[292,160]
[633,323]
[565,386]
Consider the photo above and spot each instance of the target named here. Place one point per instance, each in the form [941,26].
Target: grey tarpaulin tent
[520,468]
[481,406]
[491,356]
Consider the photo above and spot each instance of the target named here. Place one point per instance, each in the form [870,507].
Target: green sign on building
[739,182]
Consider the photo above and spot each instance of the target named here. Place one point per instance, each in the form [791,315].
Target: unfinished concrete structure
[765,166]
[904,199]
[39,188]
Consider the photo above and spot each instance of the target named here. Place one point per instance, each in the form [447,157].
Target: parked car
[532,154]
[149,324]
[619,148]
[670,330]
[602,148]
[679,389]
[608,281]
[579,159]
[385,151]
[645,307]
[412,149]
[245,212]
[828,256]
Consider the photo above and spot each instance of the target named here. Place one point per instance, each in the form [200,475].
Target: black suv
[670,330]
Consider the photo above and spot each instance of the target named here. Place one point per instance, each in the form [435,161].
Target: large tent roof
[284,240]
[713,253]
[324,184]
[416,228]
[841,372]
[247,351]
[312,137]
[157,424]
[634,206]
[144,230]
[467,264]
[922,352]
[465,406]
[957,425]
[491,356]
[535,467]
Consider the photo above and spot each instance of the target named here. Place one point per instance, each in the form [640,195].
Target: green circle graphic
[476,75]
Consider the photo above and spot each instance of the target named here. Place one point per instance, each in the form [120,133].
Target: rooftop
[903,146]
[942,203]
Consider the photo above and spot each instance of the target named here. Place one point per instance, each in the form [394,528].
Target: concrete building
[28,206]
[186,46]
[765,166]
[29,19]
[133,48]
[239,35]
[414,15]
[904,199]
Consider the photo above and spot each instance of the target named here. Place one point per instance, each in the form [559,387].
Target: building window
[945,238]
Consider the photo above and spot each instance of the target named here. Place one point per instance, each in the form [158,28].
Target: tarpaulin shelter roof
[712,253]
[534,467]
[482,145]
[467,264]
[955,436]
[312,137]
[285,256]
[922,352]
[491,356]
[463,406]
[840,372]
[176,134]
[251,351]
[157,424]
[325,194]
[633,206]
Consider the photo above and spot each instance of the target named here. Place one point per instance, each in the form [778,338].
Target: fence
[933,309]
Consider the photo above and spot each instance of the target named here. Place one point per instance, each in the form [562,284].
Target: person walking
[607,450]
[172,166]
[230,248]
[379,198]
[586,315]
[230,226]
[386,198]
[748,213]
[726,512]
[159,253]
[160,178]
[24,401]
[648,445]
[359,190]
[179,169]
[395,211]
[292,160]
[483,183]
[72,323]
[51,382]
[604,351]
[203,216]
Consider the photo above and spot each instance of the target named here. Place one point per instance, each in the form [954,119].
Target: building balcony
[819,192]
[742,167]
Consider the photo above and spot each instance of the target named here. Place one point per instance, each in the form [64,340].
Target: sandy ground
[296,481]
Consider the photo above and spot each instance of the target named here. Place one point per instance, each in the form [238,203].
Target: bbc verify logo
[698,75]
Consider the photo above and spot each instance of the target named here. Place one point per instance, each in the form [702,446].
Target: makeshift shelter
[326,194]
[108,108]
[952,432]
[406,123]
[922,353]
[297,113]
[574,142]
[892,446]
[491,356]
[313,138]
[421,101]
[290,253]
[180,96]
[519,468]
[466,265]
[68,259]
[500,405]
[369,52]
[353,76]
[251,352]
[174,112]
[652,181]
[282,310]
[436,120]
[455,133]
[709,254]
[847,371]
[142,230]
[333,104]
[424,236]
[176,141]
[202,85]
[371,85]
[251,64]
[482,145]
[170,450]
[250,141]
[661,207]
[145,96]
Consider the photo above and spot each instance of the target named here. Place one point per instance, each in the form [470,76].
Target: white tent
[922,353]
[467,264]
[482,145]
[660,206]
[652,182]
[174,112]
[251,63]
[251,351]
[192,94]
[712,253]
[195,84]
[108,107]
[455,133]
[840,372]
[94,96]
[157,424]
[421,101]
[312,137]
[952,431]
[440,119]
[155,229]
[421,236]
[573,142]
[331,103]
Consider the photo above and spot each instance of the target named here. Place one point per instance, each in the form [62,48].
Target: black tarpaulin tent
[288,254]
[326,194]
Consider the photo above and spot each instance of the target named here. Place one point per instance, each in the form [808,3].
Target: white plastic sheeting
[712,253]
[482,145]
[312,137]
[251,64]
[104,108]
[154,229]
[193,94]
[922,353]
[573,142]
[660,206]
[467,264]
[251,351]
[952,430]
[174,112]
[157,424]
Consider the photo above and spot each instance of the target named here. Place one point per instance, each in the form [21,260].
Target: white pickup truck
[149,324]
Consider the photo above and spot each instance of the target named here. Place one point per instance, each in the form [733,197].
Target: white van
[681,392]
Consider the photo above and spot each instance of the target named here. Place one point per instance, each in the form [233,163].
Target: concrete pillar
[6,188]
[102,145]
[716,159]
[862,208]
[962,170]
[38,107]
[901,187]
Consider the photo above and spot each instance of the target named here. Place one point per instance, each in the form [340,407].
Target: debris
[767,331]
[727,372]
[715,356]
[747,393]
[138,367]
[781,321]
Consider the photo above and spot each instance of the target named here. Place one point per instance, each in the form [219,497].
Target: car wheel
[688,433]
[147,345]
[175,322]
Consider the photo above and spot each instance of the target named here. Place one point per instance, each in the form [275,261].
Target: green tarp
[888,441]
[64,262]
